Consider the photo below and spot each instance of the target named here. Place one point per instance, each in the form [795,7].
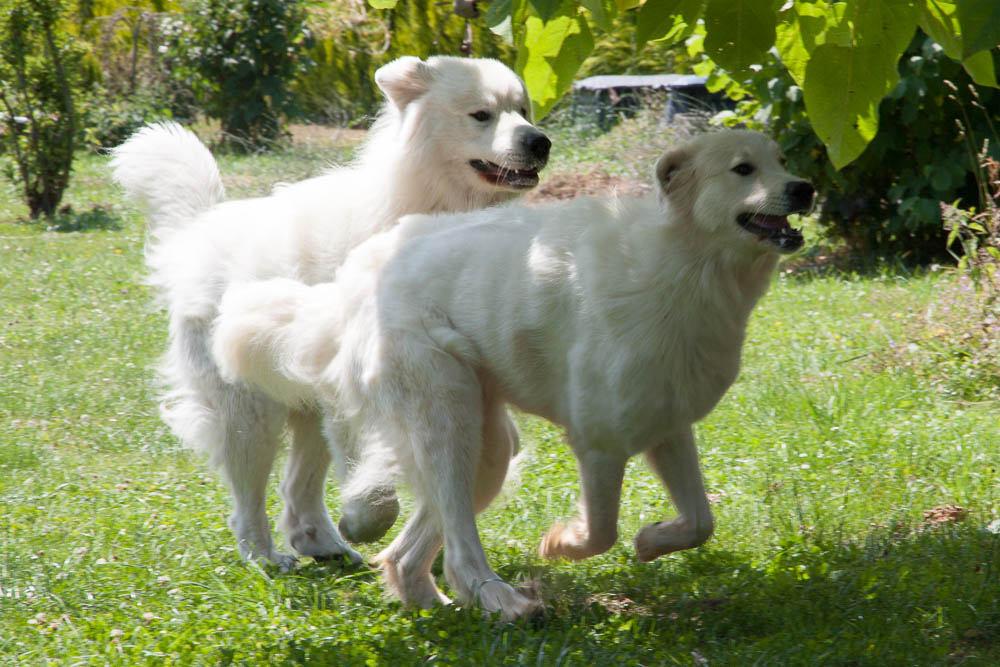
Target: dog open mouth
[517,179]
[772,228]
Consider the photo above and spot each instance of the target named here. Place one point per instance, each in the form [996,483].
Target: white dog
[622,320]
[454,135]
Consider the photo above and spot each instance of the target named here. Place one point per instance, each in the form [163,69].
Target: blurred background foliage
[255,65]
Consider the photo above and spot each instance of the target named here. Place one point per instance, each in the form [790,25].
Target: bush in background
[353,40]
[40,69]
[240,57]
[134,86]
[886,203]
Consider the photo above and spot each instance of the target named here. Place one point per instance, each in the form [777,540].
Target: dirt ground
[321,136]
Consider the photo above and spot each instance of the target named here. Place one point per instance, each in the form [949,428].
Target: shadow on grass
[97,218]
[825,261]
[897,597]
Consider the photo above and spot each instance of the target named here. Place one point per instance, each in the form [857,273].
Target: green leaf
[842,90]
[885,24]
[739,32]
[498,19]
[666,19]
[799,35]
[980,25]
[980,68]
[602,12]
[939,20]
[551,56]
[382,4]
[502,15]
[546,9]
[497,12]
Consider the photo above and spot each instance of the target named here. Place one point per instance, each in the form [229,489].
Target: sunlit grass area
[854,485]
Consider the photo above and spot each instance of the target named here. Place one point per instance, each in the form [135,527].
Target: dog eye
[524,112]
[743,169]
[482,116]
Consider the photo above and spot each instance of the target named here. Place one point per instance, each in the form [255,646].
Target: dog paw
[412,588]
[282,561]
[496,595]
[573,541]
[658,539]
[369,517]
[562,542]
[322,545]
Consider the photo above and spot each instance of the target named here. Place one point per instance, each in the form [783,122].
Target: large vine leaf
[602,12]
[940,20]
[666,19]
[844,58]
[843,87]
[980,25]
[798,36]
[501,15]
[887,25]
[546,9]
[980,68]
[550,56]
[739,32]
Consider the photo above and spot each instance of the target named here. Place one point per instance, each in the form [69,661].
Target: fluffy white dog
[455,135]
[622,320]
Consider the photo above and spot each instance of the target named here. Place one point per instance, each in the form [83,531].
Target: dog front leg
[676,462]
[595,529]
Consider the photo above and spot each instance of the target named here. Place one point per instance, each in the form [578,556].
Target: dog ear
[404,80]
[674,170]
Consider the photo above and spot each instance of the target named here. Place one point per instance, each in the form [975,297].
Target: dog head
[733,183]
[474,114]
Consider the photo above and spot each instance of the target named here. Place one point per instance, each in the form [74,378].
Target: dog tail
[276,335]
[169,169]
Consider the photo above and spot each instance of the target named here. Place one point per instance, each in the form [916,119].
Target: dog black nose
[538,145]
[800,194]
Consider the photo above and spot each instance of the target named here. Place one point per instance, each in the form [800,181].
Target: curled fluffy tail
[171,171]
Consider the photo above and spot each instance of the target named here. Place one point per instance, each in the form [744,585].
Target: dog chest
[635,395]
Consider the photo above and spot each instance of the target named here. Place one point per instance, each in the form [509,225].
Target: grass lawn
[856,496]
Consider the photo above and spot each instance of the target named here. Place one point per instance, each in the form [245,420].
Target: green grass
[821,460]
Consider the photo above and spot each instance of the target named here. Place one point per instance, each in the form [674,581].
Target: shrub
[239,57]
[39,67]
[135,86]
[955,342]
[887,201]
[355,40]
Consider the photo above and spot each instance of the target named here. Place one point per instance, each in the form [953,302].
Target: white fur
[621,320]
[418,159]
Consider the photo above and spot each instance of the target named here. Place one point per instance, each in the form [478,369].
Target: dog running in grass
[620,319]
[454,135]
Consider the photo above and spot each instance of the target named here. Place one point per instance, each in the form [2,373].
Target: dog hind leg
[252,425]
[305,519]
[237,428]
[676,462]
[406,562]
[500,443]
[446,418]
